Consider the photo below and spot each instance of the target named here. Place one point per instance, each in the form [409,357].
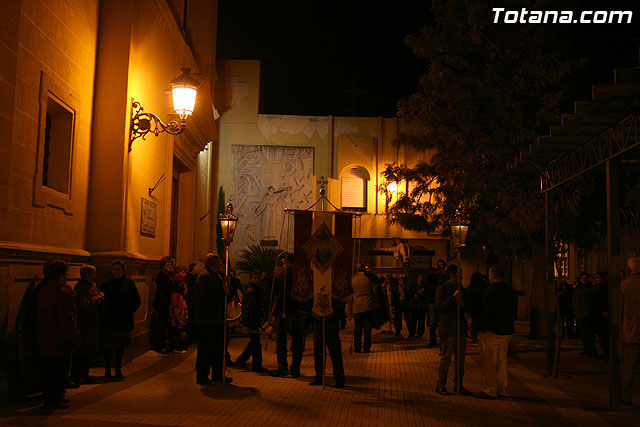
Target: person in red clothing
[57,332]
[88,300]
[178,315]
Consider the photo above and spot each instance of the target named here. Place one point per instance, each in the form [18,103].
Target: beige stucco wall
[59,40]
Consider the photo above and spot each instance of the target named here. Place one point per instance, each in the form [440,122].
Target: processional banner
[322,258]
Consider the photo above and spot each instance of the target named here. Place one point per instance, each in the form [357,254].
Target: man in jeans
[498,313]
[448,298]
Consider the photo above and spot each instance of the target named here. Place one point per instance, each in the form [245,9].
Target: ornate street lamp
[228,223]
[459,233]
[184,89]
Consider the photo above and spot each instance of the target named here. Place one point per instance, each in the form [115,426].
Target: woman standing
[363,306]
[57,333]
[121,300]
[88,300]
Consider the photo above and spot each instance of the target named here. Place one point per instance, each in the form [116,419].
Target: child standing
[178,315]
[254,307]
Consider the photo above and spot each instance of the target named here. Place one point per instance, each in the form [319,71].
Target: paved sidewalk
[392,386]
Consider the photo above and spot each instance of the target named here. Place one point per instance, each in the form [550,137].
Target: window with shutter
[354,189]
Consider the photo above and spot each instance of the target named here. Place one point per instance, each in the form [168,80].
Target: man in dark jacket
[254,308]
[292,319]
[209,301]
[435,279]
[448,298]
[584,310]
[165,285]
[57,332]
[498,313]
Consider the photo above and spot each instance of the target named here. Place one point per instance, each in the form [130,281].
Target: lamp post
[459,235]
[184,89]
[228,223]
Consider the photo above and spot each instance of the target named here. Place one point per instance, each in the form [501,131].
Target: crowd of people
[191,305]
[74,323]
[584,311]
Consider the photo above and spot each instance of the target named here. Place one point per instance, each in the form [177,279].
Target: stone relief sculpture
[266,180]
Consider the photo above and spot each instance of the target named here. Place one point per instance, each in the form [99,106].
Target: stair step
[623,108]
[630,92]
[592,119]
[576,131]
[624,76]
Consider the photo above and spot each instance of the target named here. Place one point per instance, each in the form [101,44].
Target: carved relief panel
[266,180]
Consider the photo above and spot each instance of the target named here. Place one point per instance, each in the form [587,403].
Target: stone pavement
[392,386]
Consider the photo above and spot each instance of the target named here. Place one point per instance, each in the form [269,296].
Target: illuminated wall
[339,144]
[70,69]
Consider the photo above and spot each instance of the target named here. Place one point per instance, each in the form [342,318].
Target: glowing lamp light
[228,223]
[392,187]
[184,89]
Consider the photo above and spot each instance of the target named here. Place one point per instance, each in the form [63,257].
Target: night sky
[348,58]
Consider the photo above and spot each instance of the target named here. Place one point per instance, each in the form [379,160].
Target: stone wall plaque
[148,218]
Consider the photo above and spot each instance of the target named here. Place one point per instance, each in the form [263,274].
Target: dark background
[348,58]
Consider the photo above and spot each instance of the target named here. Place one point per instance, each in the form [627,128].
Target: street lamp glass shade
[228,224]
[184,90]
[228,228]
[459,234]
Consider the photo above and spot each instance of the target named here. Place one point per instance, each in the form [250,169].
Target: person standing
[332,339]
[363,305]
[434,280]
[292,319]
[234,296]
[410,310]
[178,316]
[398,301]
[565,305]
[630,288]
[476,290]
[498,312]
[583,308]
[601,312]
[165,285]
[88,301]
[57,332]
[209,301]
[448,299]
[192,277]
[121,300]
[420,305]
[254,311]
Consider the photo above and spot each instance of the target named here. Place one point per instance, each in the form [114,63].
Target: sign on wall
[148,219]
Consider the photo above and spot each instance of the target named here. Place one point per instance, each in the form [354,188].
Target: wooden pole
[615,296]
[458,344]
[224,339]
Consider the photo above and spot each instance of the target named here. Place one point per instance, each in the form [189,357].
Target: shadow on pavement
[225,391]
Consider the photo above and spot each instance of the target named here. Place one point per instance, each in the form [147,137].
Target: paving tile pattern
[392,386]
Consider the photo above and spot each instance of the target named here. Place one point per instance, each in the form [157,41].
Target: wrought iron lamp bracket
[143,123]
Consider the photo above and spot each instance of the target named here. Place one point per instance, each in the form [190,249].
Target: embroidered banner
[343,265]
[322,249]
[302,289]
